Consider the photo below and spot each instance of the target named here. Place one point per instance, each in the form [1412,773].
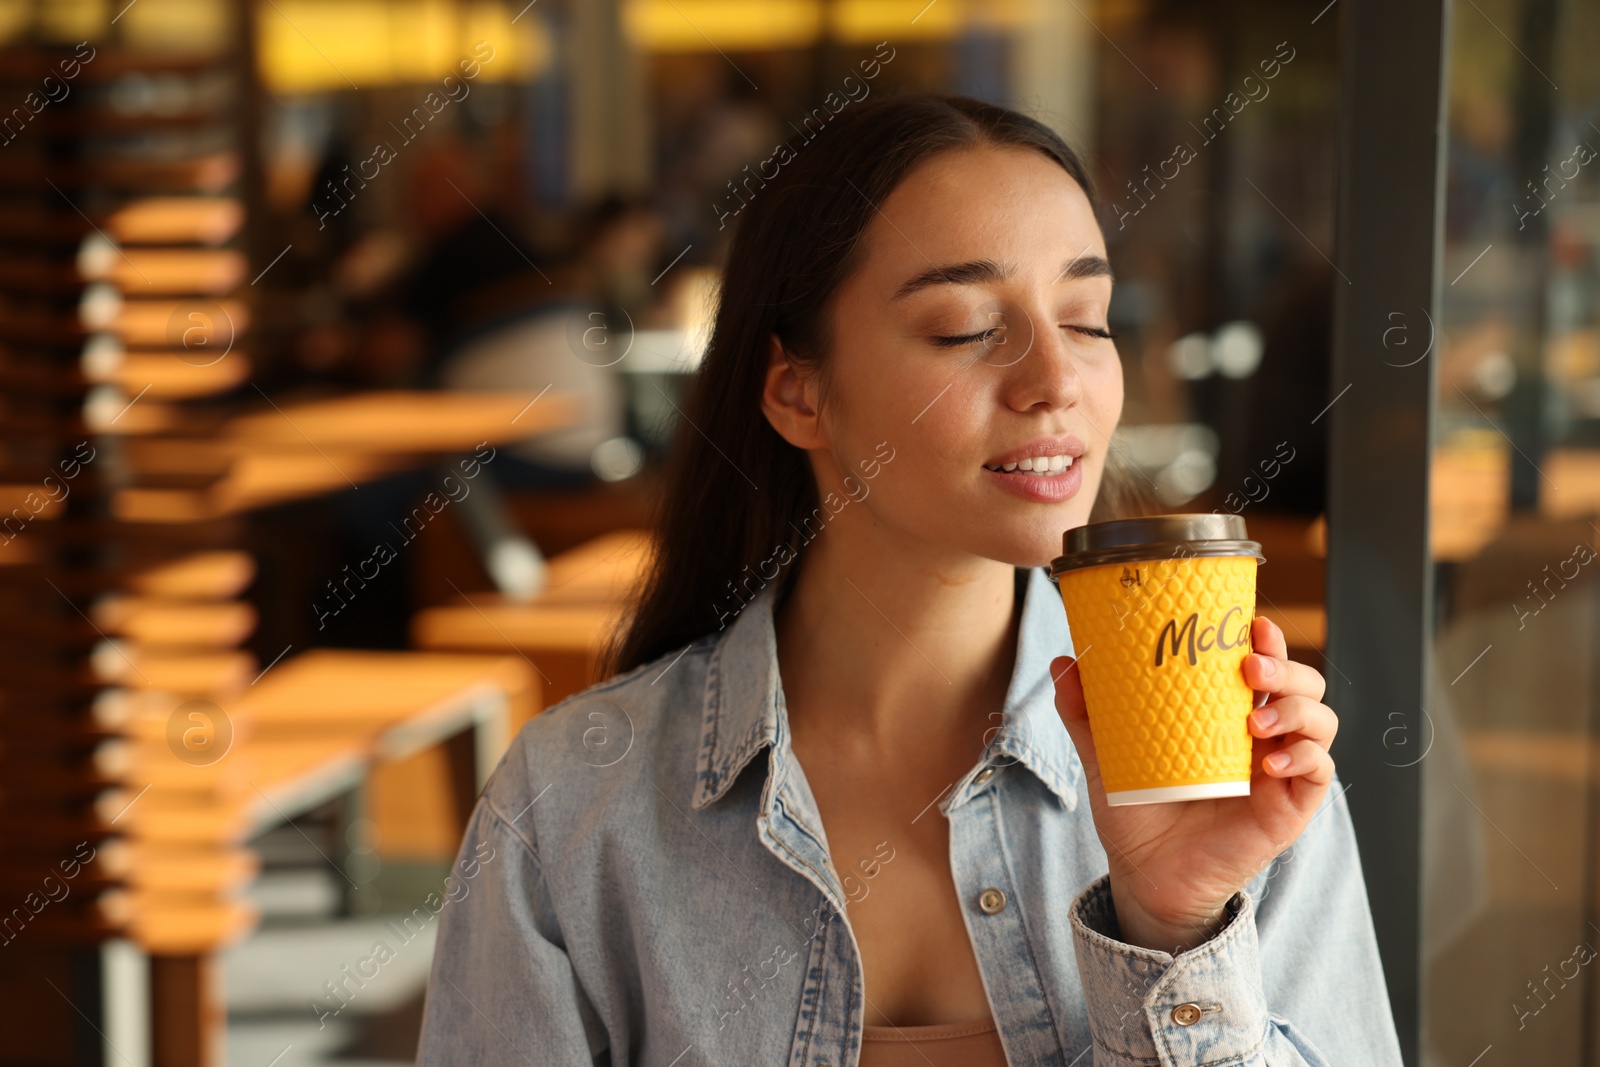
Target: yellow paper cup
[1160,610]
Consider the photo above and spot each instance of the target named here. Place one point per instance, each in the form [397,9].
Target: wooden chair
[562,631]
[559,633]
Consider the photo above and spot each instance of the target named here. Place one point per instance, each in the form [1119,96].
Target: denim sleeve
[1293,974]
[502,990]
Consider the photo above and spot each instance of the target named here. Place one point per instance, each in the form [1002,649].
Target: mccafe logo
[1172,637]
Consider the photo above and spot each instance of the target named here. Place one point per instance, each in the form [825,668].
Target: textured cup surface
[1162,643]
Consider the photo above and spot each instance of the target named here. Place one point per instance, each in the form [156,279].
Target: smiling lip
[1066,445]
[1039,488]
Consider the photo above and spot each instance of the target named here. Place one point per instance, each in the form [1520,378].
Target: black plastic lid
[1154,537]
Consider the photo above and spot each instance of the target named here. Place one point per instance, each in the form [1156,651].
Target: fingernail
[1268,667]
[1278,760]
[1265,715]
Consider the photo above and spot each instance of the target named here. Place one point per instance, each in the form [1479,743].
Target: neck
[891,642]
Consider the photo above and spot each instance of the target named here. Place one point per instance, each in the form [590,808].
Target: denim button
[983,776]
[991,900]
[1186,1014]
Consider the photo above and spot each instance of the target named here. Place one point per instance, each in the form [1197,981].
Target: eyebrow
[977,271]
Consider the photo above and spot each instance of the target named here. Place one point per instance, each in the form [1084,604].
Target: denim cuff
[1204,1005]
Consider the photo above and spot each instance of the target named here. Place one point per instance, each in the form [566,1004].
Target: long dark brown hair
[735,494]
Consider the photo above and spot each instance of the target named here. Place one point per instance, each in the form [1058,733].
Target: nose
[1042,368]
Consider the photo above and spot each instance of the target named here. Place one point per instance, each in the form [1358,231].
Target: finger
[1267,638]
[1278,674]
[1295,715]
[1306,759]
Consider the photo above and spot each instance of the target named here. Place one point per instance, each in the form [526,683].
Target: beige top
[946,1045]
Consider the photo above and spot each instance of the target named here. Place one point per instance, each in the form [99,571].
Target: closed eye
[1094,331]
[959,340]
[964,339]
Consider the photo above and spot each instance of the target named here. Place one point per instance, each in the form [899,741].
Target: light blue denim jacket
[658,890]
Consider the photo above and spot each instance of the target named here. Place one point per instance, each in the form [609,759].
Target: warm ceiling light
[710,25]
[317,45]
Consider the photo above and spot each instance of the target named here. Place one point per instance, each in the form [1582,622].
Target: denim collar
[745,711]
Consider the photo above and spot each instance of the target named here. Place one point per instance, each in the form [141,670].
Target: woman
[828,812]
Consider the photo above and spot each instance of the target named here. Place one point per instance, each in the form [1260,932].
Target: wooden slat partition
[125,315]
[107,624]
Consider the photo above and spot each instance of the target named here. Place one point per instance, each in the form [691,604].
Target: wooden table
[309,731]
[295,450]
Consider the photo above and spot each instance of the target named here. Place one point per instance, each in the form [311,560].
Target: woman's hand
[1175,866]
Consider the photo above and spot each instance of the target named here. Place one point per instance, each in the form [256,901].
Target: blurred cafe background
[342,342]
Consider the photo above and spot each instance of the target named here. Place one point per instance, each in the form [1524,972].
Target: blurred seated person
[493,318]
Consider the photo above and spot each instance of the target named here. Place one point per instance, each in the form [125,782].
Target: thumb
[1069,692]
[1074,713]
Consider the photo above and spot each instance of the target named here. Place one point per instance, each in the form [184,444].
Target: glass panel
[1510,834]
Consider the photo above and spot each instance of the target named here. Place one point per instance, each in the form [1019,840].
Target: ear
[790,400]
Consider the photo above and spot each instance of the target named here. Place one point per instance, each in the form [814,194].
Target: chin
[1031,544]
